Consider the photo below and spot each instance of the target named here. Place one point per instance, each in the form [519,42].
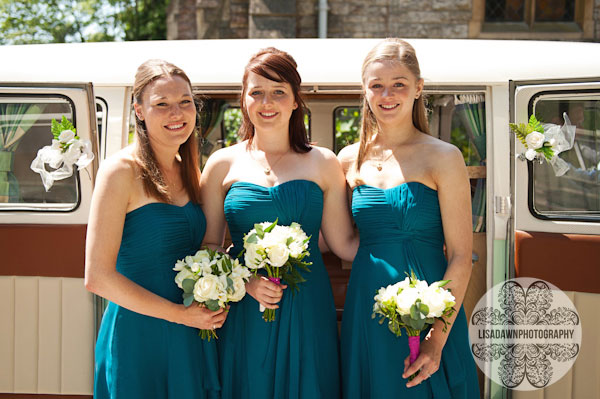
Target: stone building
[577,20]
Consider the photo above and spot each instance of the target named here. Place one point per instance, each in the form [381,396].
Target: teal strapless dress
[400,229]
[297,355]
[142,357]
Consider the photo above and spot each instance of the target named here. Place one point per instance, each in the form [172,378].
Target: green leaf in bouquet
[212,305]
[188,285]
[442,283]
[58,127]
[535,125]
[414,312]
[229,283]
[289,241]
[260,232]
[417,325]
[188,299]
[295,225]
[424,309]
[547,151]
[271,226]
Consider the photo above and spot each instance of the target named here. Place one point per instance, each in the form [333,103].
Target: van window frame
[28,207]
[530,175]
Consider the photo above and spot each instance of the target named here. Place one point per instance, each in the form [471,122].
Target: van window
[576,194]
[101,115]
[24,129]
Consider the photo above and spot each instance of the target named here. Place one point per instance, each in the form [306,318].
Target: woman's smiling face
[168,110]
[391,89]
[269,104]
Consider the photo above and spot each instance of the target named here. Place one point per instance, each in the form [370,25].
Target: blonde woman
[411,196]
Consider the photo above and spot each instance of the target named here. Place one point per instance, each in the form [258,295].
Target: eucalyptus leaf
[187,301]
[212,305]
[188,285]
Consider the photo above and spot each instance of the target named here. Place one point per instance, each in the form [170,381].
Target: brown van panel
[41,396]
[42,250]
[569,261]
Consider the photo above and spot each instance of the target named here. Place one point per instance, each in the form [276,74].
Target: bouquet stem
[208,334]
[414,343]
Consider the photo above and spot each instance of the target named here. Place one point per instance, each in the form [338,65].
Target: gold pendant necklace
[379,163]
[267,170]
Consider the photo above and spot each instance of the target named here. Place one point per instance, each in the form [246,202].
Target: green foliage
[232,120]
[142,19]
[58,128]
[522,130]
[55,21]
[347,127]
[62,21]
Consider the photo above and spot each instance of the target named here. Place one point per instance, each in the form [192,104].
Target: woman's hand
[200,317]
[266,292]
[428,361]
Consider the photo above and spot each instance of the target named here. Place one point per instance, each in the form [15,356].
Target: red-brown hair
[278,66]
[151,175]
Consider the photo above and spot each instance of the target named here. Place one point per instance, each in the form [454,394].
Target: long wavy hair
[150,173]
[278,66]
[399,51]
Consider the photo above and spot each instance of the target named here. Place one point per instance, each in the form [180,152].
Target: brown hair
[395,50]
[151,175]
[278,66]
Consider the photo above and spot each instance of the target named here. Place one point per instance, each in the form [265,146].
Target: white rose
[239,287]
[201,256]
[530,154]
[252,258]
[183,275]
[278,255]
[66,136]
[195,267]
[240,271]
[73,153]
[535,140]
[180,265]
[296,249]
[405,299]
[206,267]
[437,299]
[206,288]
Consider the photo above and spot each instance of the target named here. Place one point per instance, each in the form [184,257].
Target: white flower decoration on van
[544,141]
[67,149]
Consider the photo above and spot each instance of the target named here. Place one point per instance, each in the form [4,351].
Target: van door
[46,315]
[557,218]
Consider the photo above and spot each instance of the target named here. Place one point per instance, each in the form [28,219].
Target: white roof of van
[320,61]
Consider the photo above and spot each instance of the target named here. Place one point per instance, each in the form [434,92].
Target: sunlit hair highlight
[395,50]
[278,66]
[150,173]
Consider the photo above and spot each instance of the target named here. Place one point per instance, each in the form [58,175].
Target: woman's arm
[105,228]
[336,224]
[454,194]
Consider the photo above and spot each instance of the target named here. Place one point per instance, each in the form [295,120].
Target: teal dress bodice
[139,356]
[400,230]
[296,356]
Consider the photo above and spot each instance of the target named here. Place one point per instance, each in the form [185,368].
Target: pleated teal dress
[142,357]
[297,355]
[400,229]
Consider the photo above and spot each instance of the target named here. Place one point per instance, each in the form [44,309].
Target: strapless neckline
[408,183]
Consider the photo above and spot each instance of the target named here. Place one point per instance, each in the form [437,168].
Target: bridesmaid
[276,174]
[411,195]
[145,215]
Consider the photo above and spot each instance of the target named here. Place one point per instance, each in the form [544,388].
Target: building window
[532,19]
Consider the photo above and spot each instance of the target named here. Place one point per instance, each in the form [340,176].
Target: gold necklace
[267,170]
[379,163]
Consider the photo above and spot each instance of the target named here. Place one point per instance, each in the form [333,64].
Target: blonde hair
[399,51]
[151,175]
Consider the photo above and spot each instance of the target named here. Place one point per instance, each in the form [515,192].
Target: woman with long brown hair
[410,195]
[146,214]
[276,174]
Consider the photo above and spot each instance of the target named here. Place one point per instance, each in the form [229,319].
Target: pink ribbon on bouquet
[414,343]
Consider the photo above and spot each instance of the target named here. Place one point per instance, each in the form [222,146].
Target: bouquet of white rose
[545,141]
[412,304]
[279,250]
[212,279]
[67,149]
